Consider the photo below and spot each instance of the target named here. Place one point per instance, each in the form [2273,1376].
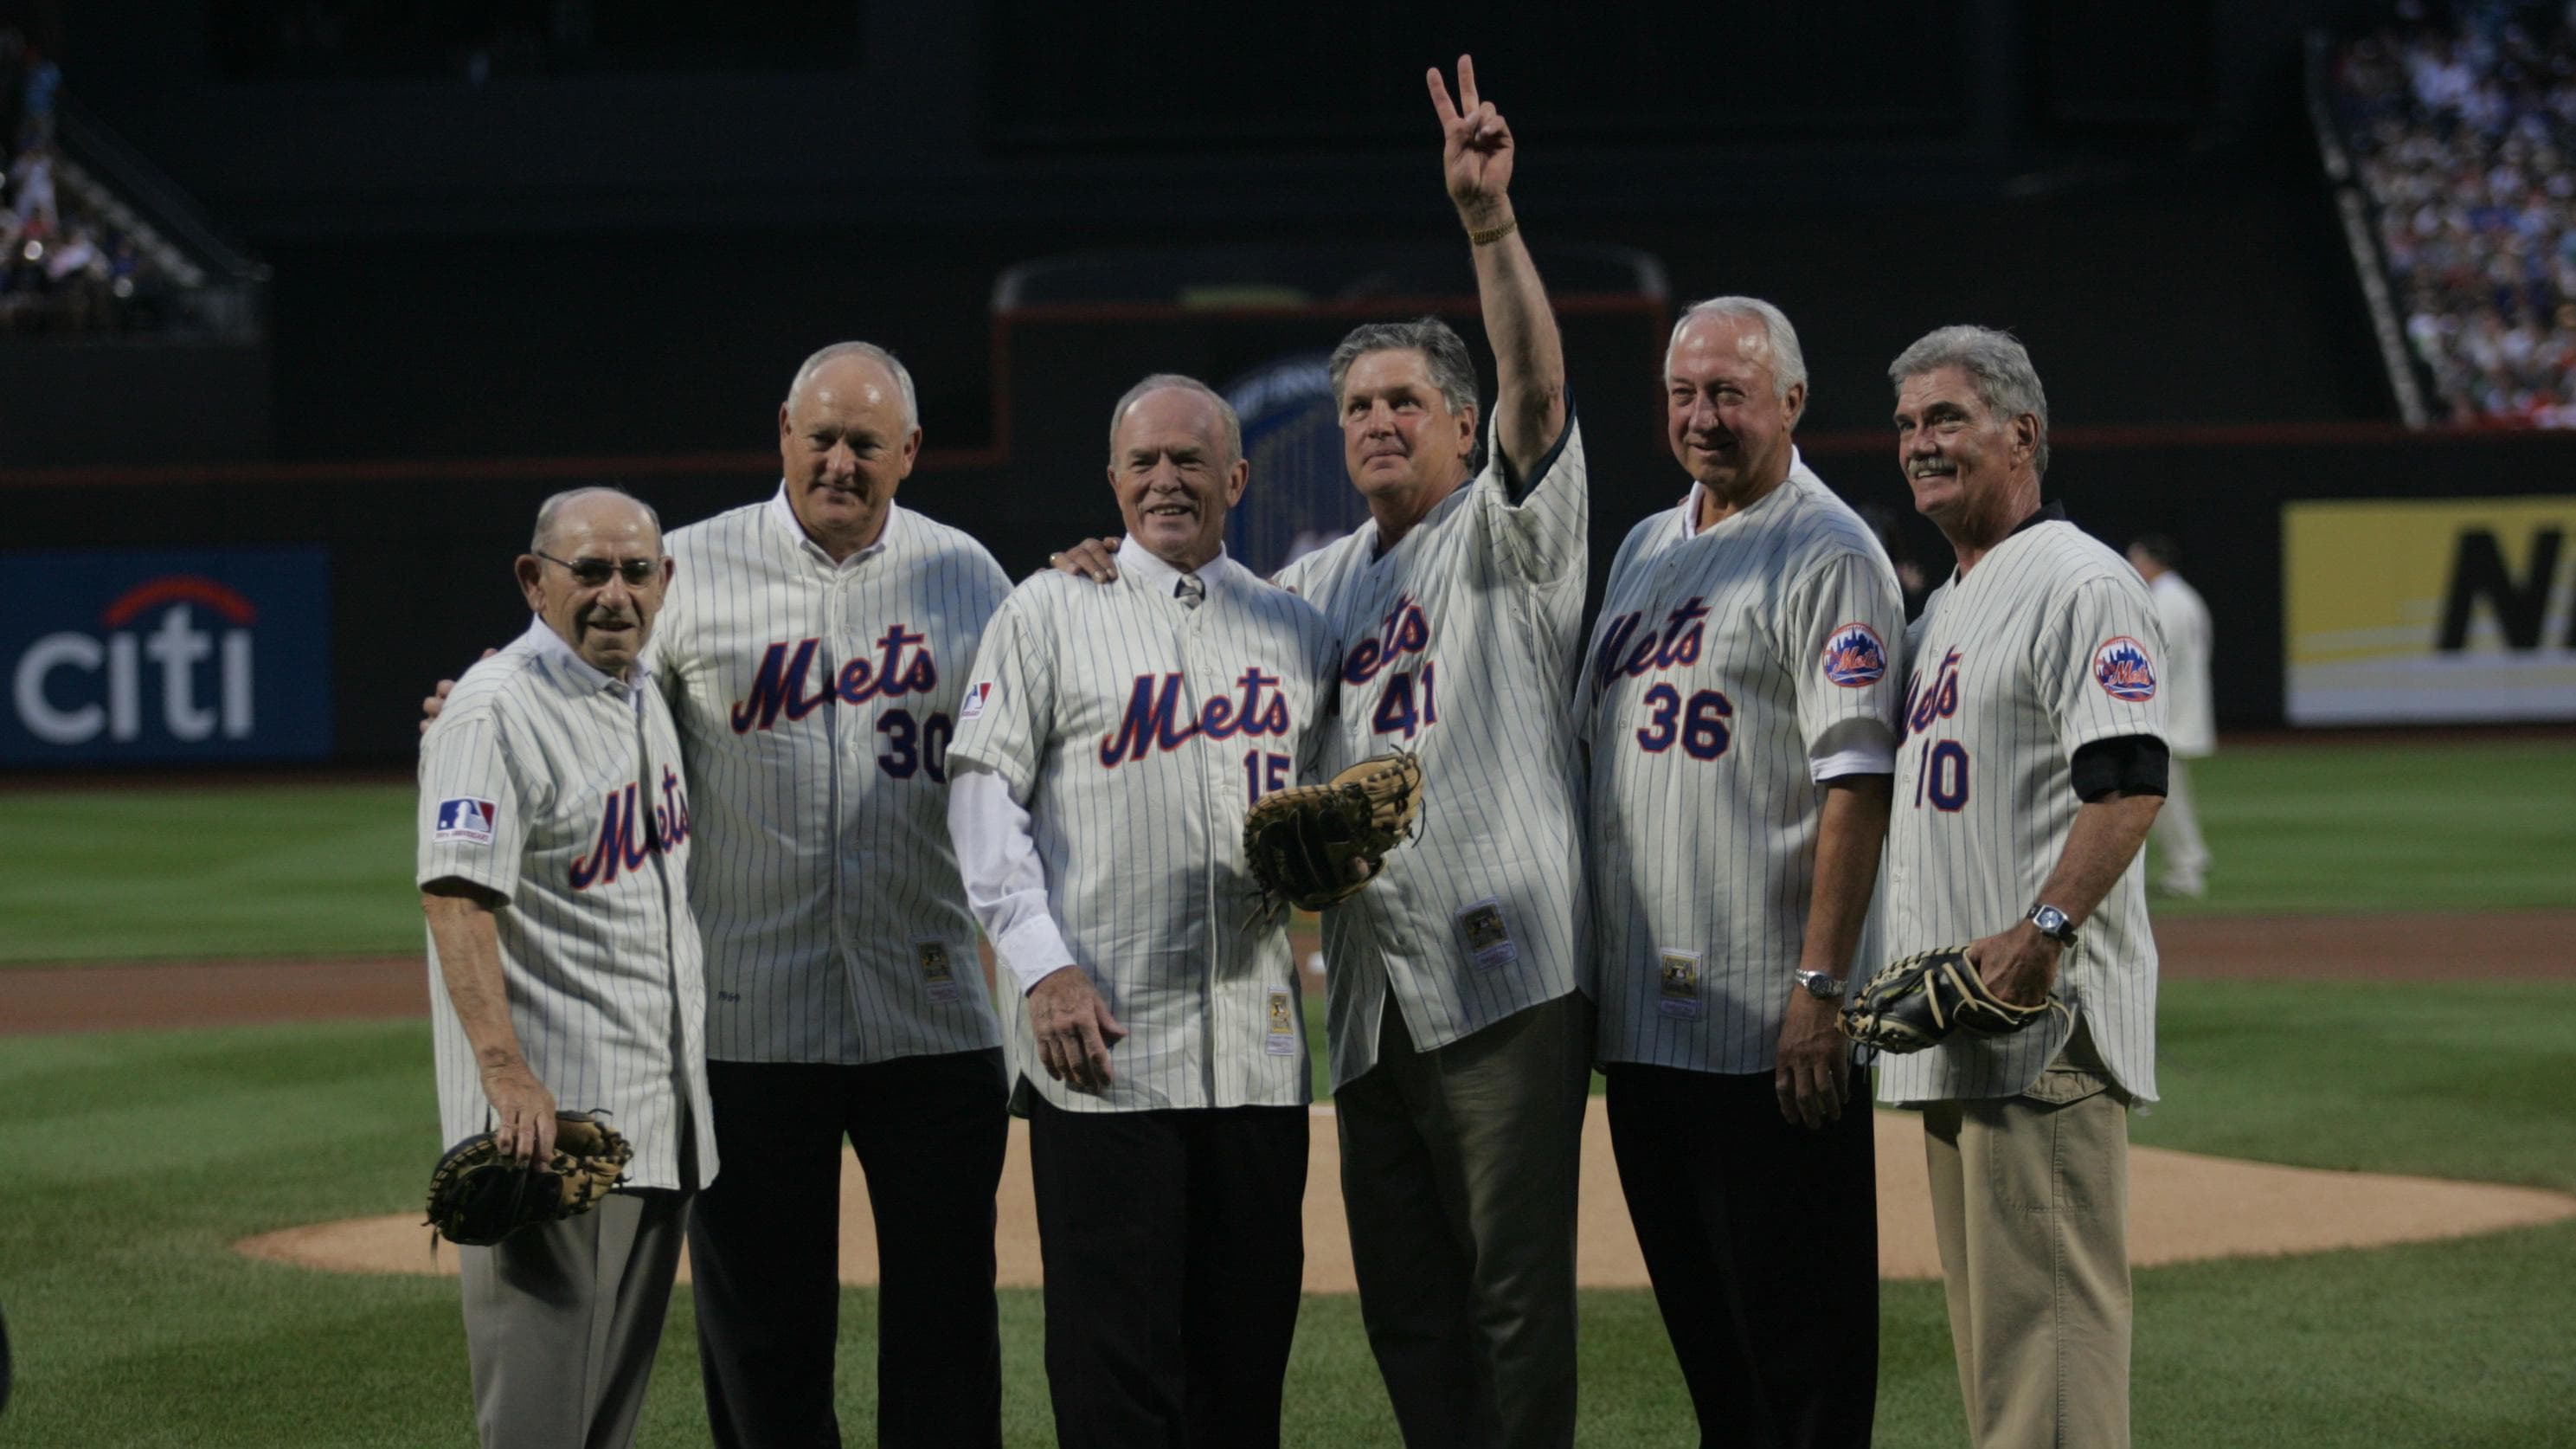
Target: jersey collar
[550,645]
[1134,558]
[1690,500]
[783,513]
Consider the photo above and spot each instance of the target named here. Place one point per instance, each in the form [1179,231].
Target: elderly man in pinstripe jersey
[2032,767]
[814,650]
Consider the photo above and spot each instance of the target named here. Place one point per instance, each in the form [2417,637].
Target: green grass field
[129,1161]
[326,869]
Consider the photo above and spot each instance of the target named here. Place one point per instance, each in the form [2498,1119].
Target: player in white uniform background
[1740,710]
[2032,766]
[2182,856]
[1111,744]
[1460,1034]
[814,652]
[564,970]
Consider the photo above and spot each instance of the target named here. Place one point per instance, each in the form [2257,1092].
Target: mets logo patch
[976,694]
[1854,657]
[464,818]
[2120,666]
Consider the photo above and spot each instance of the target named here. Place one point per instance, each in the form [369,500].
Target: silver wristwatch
[1823,985]
[2052,923]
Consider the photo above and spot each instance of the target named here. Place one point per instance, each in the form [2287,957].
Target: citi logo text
[73,687]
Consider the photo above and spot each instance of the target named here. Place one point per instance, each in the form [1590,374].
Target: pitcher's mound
[2182,1207]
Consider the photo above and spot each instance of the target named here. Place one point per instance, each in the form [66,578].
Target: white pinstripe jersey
[1136,731]
[542,781]
[1460,647]
[815,701]
[2049,644]
[1720,661]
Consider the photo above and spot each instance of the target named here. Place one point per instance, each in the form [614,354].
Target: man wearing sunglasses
[565,969]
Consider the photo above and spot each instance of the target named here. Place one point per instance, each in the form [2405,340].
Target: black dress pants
[1174,1244]
[764,1248]
[1762,1240]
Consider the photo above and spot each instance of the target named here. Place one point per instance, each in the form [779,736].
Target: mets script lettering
[1157,718]
[1939,700]
[902,666]
[1403,631]
[629,834]
[1677,643]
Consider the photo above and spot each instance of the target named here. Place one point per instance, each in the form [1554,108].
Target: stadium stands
[2464,137]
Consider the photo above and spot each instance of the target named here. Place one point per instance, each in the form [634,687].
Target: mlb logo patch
[976,694]
[465,818]
[2120,666]
[1854,658]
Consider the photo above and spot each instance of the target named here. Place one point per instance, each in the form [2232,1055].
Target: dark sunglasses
[591,573]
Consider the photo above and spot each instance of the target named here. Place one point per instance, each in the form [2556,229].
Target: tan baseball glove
[1317,844]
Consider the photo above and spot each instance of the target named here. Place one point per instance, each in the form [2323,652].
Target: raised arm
[1477,151]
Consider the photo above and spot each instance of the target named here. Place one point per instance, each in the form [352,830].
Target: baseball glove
[1317,844]
[478,1195]
[1919,1001]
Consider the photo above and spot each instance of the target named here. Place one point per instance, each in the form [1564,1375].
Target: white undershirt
[1005,883]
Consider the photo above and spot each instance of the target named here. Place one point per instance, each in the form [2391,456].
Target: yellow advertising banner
[2420,610]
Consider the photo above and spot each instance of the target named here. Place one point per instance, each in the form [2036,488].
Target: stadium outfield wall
[213,614]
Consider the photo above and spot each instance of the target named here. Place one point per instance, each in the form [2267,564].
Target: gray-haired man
[2032,767]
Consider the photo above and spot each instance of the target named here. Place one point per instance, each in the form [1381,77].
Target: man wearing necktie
[1111,742]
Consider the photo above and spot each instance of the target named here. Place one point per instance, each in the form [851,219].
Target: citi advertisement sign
[140,655]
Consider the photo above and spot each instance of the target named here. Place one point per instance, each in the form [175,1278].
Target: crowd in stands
[63,268]
[2462,128]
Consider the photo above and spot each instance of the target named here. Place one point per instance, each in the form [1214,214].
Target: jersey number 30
[911,745]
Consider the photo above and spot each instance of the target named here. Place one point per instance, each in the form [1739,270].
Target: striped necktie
[1190,589]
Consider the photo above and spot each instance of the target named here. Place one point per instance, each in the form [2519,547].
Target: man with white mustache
[2032,767]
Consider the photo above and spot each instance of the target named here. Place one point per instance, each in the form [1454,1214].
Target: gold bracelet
[1493,234]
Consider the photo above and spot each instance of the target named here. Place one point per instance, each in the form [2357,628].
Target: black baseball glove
[1919,1001]
[478,1195]
[1317,844]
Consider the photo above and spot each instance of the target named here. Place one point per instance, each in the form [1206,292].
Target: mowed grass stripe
[150,872]
[2444,826]
[159,873]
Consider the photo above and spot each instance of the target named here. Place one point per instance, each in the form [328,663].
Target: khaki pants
[2030,1201]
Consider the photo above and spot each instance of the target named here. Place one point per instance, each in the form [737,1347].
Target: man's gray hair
[1997,365]
[1443,351]
[1230,422]
[876,354]
[546,511]
[1788,360]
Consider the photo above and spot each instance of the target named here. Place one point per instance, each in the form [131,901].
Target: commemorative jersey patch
[938,979]
[1677,988]
[2121,667]
[1854,657]
[973,705]
[1280,1040]
[1489,941]
[465,818]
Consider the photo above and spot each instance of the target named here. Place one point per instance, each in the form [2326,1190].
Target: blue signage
[1300,497]
[118,655]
